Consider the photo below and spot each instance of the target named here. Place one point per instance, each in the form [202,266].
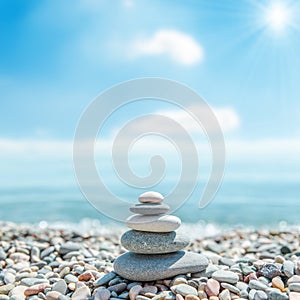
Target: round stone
[150,208]
[154,223]
[151,197]
[152,242]
[144,267]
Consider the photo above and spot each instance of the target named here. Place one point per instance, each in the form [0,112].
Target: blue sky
[56,56]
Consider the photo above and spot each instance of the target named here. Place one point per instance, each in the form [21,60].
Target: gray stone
[152,242]
[294,287]
[225,295]
[270,271]
[148,289]
[143,267]
[118,288]
[264,280]
[3,254]
[184,290]
[81,292]
[168,295]
[60,286]
[294,279]
[244,294]
[252,294]
[33,281]
[288,268]
[260,295]
[105,279]
[9,278]
[275,294]
[70,278]
[153,223]
[68,247]
[207,272]
[230,287]
[242,285]
[226,261]
[246,270]
[101,294]
[214,247]
[150,208]
[255,284]
[47,251]
[151,197]
[124,295]
[225,276]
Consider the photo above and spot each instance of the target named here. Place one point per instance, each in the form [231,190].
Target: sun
[278,16]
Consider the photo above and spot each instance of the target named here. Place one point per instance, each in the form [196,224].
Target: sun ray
[278,16]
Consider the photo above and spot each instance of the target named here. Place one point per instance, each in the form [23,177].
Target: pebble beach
[61,261]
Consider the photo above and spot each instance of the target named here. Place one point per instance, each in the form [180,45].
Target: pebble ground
[59,263]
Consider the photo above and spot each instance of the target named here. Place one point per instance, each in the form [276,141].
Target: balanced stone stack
[155,248]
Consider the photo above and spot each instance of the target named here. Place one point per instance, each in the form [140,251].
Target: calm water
[251,203]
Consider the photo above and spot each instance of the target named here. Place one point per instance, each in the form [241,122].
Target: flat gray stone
[184,290]
[151,197]
[225,295]
[143,267]
[275,294]
[260,295]
[165,295]
[60,286]
[294,279]
[105,279]
[153,242]
[207,272]
[150,208]
[230,287]
[288,268]
[294,287]
[257,285]
[225,276]
[153,223]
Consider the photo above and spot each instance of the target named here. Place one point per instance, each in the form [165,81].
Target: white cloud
[262,149]
[180,47]
[228,118]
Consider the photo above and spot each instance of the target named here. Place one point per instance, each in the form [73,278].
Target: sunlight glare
[278,16]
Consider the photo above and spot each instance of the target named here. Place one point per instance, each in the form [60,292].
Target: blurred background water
[237,203]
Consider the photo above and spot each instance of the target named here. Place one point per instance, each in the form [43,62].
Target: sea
[238,202]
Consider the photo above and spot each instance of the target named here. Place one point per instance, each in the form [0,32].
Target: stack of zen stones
[155,248]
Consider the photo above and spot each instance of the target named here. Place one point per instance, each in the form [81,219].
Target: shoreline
[75,261]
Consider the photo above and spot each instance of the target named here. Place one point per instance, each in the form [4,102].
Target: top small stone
[151,197]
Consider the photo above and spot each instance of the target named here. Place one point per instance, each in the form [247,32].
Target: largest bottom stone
[144,267]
